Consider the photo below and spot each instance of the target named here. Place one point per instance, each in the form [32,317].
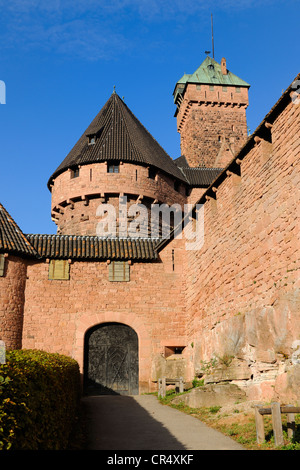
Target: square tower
[211,114]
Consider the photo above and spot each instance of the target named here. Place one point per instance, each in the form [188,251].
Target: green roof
[185,77]
[210,73]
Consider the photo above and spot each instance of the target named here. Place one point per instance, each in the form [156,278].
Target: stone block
[212,395]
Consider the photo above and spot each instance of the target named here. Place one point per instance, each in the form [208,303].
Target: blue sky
[61,59]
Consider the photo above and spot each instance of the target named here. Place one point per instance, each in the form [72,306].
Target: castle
[133,306]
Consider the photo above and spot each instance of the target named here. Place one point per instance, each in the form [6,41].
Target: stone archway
[111,360]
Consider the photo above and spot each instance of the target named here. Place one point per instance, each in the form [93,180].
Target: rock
[236,370]
[173,367]
[212,395]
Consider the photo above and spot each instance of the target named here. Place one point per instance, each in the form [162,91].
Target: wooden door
[111,360]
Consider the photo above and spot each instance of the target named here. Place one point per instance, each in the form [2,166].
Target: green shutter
[59,269]
[118,271]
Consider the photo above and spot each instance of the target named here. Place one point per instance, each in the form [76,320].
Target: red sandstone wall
[212,124]
[12,287]
[243,285]
[96,185]
[58,313]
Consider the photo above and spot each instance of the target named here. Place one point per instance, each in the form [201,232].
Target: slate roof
[120,137]
[92,248]
[197,177]
[201,177]
[12,239]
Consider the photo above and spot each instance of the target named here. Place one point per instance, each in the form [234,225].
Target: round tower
[15,251]
[115,163]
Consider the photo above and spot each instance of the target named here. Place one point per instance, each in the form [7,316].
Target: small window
[59,269]
[170,350]
[177,186]
[238,89]
[2,265]
[113,168]
[152,173]
[75,173]
[118,271]
[92,139]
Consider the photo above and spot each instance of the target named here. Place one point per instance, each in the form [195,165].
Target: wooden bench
[164,381]
[275,410]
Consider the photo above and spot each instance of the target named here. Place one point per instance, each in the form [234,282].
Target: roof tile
[119,136]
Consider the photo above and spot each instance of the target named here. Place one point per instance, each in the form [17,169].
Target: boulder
[212,395]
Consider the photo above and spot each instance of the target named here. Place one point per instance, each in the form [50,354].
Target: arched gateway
[111,364]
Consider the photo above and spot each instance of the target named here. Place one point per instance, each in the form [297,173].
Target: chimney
[223,66]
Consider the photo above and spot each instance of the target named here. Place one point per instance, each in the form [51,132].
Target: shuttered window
[2,262]
[59,269]
[118,271]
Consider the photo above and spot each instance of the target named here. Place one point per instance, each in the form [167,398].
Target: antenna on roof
[212,36]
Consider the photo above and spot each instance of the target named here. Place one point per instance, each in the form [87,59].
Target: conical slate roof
[12,239]
[119,137]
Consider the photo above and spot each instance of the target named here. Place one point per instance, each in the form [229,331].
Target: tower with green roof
[211,114]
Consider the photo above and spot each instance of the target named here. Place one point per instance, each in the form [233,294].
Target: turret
[115,158]
[211,114]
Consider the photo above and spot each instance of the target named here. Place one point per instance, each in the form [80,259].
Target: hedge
[39,399]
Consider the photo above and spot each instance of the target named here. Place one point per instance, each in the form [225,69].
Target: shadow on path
[120,423]
[142,423]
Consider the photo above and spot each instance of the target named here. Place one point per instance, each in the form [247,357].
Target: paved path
[142,423]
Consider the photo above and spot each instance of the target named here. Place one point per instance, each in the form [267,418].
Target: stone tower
[115,158]
[211,114]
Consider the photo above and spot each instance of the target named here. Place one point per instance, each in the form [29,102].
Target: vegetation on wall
[39,398]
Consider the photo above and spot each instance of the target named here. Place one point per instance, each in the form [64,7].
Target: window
[59,269]
[113,168]
[177,186]
[169,350]
[152,173]
[92,139]
[118,271]
[2,265]
[75,173]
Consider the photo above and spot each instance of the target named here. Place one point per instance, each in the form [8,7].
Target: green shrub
[197,383]
[39,398]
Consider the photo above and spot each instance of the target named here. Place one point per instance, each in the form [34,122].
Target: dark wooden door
[111,360]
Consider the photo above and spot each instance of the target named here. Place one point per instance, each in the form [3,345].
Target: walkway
[142,423]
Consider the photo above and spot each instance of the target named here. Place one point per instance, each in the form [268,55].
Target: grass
[237,424]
